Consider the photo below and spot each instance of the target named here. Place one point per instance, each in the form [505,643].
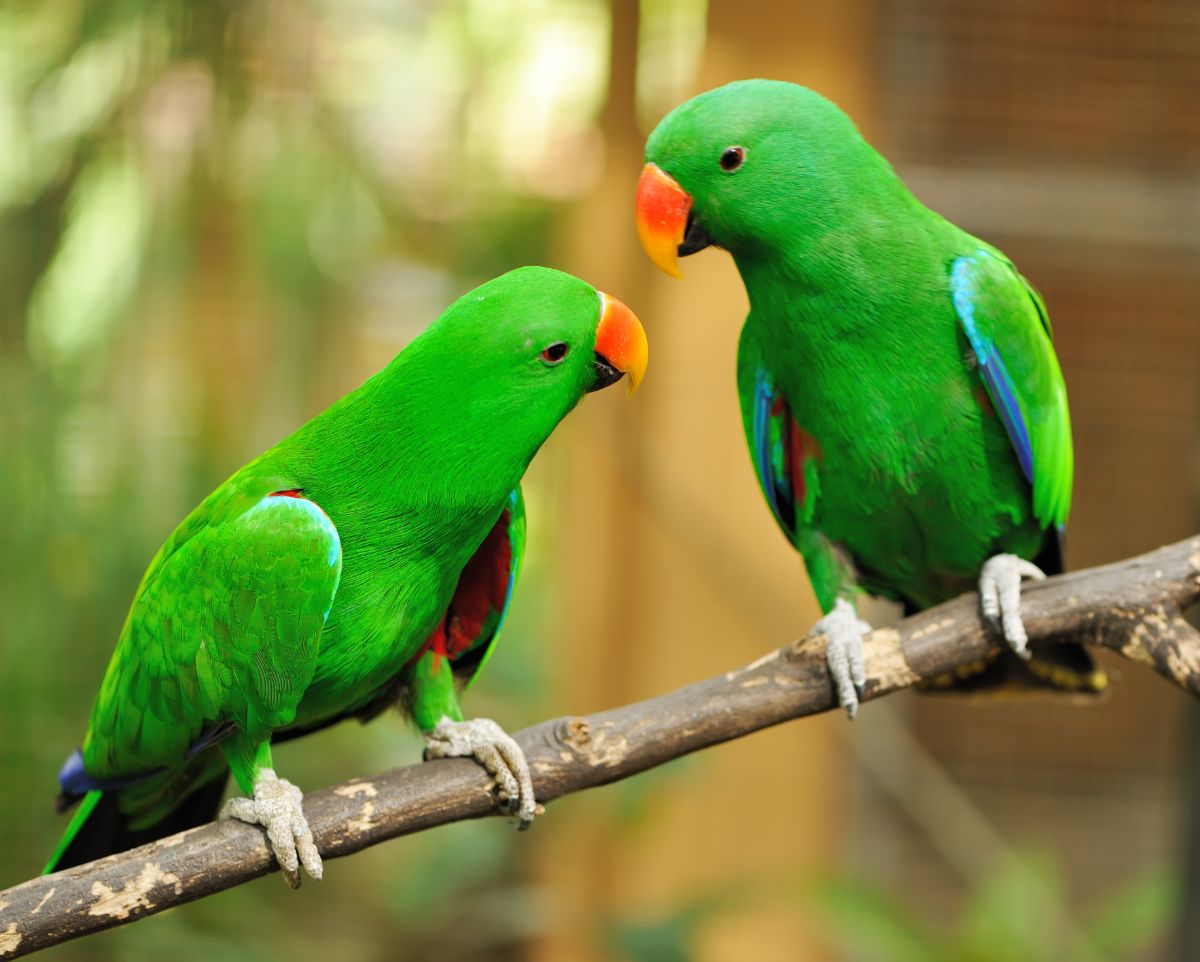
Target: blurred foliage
[1013,914]
[669,939]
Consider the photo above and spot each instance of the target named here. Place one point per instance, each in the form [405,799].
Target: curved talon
[844,632]
[494,749]
[277,807]
[1000,597]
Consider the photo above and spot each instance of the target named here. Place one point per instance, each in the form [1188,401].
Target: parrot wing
[223,634]
[1006,324]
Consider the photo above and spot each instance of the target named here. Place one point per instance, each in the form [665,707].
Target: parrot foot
[844,632]
[276,807]
[1000,596]
[497,751]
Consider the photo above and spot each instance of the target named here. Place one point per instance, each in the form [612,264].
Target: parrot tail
[104,825]
[1062,671]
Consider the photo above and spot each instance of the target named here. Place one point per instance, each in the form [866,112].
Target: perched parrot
[364,561]
[905,412]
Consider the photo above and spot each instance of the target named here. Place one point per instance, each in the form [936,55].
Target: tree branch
[1133,607]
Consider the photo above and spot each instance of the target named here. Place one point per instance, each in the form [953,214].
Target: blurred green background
[216,218]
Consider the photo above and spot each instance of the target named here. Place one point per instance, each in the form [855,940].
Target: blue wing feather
[764,398]
[999,382]
[781,451]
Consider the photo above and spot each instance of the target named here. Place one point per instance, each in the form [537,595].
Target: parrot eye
[732,158]
[555,352]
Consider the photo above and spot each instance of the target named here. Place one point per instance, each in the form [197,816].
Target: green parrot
[364,561]
[905,412]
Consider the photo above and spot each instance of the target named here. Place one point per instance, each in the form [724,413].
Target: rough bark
[1134,607]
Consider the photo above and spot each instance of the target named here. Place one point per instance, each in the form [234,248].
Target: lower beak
[662,217]
[621,345]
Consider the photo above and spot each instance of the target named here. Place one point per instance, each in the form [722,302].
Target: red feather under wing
[482,590]
[479,598]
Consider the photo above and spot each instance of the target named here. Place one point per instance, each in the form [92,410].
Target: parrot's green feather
[898,383]
[309,586]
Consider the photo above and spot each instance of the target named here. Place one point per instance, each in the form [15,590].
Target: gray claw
[494,749]
[1000,596]
[844,632]
[276,806]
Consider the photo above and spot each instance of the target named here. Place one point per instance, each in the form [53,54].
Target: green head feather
[491,343]
[465,406]
[806,172]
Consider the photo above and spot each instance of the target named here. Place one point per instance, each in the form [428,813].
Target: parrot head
[545,333]
[749,167]
[512,357]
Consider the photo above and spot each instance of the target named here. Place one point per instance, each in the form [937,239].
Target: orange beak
[621,341]
[662,213]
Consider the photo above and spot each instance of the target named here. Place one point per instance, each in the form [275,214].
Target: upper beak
[662,217]
[621,345]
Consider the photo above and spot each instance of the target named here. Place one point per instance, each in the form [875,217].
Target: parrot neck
[836,277]
[419,439]
[864,229]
